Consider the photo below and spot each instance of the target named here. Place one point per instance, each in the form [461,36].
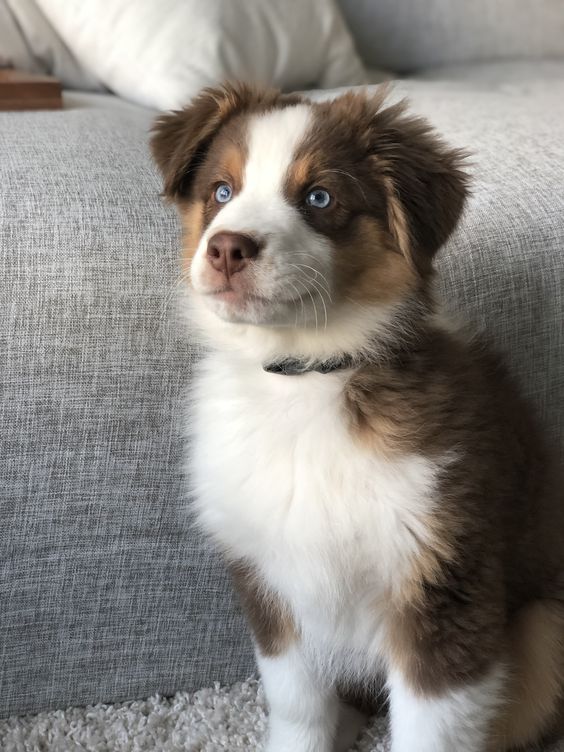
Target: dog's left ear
[424,184]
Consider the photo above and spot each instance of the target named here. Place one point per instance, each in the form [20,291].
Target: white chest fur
[280,481]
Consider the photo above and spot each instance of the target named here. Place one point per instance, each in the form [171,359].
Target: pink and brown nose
[229,252]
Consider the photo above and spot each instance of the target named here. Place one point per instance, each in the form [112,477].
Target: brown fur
[269,618]
[398,192]
[476,595]
[394,168]
[182,148]
[535,652]
[487,585]
[368,277]
[193,223]
[182,138]
[449,396]
[300,176]
[379,161]
[225,163]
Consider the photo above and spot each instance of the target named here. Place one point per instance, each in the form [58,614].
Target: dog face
[294,211]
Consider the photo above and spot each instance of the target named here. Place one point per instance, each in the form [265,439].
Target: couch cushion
[405,35]
[106,591]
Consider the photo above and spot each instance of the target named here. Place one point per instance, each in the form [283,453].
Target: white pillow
[14,51]
[161,52]
[29,42]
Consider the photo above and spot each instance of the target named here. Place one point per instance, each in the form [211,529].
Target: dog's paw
[298,738]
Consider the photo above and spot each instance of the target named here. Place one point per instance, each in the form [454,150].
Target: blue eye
[223,193]
[318,198]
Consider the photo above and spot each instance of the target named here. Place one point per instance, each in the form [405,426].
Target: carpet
[210,720]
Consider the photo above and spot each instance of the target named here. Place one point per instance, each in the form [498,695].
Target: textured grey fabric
[405,35]
[105,591]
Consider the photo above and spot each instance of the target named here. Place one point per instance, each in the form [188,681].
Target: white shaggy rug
[222,718]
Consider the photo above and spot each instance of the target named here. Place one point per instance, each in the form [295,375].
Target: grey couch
[106,591]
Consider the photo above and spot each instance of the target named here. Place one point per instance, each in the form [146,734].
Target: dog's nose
[229,252]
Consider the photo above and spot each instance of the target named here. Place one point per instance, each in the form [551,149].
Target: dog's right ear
[181,138]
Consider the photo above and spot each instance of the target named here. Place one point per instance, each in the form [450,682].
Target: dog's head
[296,211]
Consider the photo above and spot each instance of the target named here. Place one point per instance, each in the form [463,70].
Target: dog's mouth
[245,305]
[236,298]
[236,295]
[267,296]
[228,292]
[237,305]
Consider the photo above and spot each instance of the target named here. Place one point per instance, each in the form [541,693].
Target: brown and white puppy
[379,489]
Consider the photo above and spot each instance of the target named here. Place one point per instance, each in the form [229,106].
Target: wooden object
[26,91]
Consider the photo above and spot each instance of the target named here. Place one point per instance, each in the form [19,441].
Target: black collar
[409,338]
[297,366]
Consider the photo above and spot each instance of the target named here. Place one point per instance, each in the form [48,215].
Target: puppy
[379,489]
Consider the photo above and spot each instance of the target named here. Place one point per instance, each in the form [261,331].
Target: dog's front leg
[303,711]
[456,720]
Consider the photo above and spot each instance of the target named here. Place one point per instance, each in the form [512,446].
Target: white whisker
[319,290]
[314,307]
[295,302]
[303,284]
[305,266]
[183,277]
[313,282]
[348,175]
